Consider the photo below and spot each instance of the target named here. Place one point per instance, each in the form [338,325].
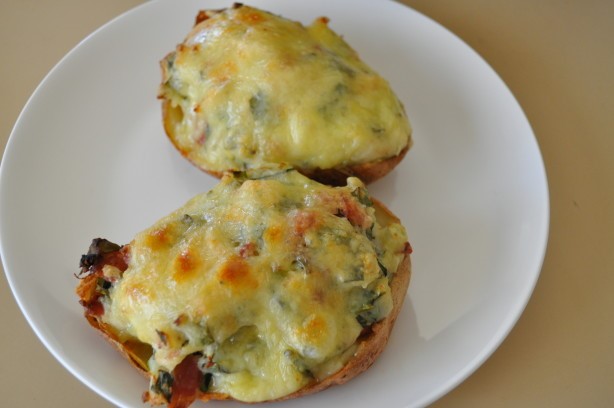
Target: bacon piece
[202,138]
[247,250]
[353,211]
[100,253]
[304,220]
[186,383]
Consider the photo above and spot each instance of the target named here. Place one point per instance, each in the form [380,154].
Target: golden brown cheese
[269,281]
[249,89]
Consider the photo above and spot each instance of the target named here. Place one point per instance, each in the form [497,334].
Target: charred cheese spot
[314,329]
[186,265]
[223,72]
[274,234]
[252,17]
[158,238]
[236,273]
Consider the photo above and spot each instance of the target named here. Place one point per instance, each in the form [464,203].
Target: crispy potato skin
[370,344]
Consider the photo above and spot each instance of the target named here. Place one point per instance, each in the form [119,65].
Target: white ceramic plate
[88,157]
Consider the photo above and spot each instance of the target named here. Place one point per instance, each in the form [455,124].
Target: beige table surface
[558,59]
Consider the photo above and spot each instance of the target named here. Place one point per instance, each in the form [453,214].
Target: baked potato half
[248,89]
[259,290]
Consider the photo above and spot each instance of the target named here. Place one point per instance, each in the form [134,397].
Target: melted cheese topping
[270,280]
[249,89]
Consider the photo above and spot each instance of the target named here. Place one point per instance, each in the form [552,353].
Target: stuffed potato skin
[257,280]
[248,89]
